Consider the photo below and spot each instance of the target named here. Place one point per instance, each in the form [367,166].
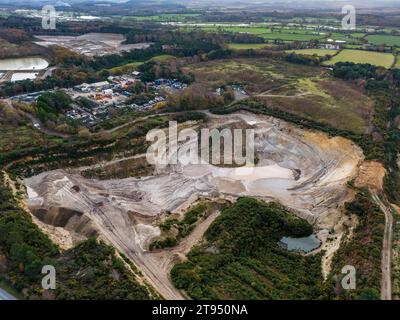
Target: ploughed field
[305,171]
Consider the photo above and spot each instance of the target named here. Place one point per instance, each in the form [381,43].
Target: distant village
[92,102]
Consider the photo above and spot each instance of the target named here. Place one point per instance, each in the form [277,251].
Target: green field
[291,36]
[359,56]
[354,46]
[311,52]
[388,40]
[129,67]
[358,35]
[339,36]
[246,46]
[265,32]
[164,58]
[233,29]
[168,17]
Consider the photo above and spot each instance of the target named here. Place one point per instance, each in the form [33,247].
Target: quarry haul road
[386,286]
[4,295]
[164,261]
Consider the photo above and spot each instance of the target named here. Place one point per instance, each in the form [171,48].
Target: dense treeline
[92,271]
[352,71]
[363,251]
[50,104]
[242,258]
[25,248]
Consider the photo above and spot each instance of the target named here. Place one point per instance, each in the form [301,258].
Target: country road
[386,287]
[6,296]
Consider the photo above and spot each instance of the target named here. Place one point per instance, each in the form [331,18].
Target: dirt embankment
[371,176]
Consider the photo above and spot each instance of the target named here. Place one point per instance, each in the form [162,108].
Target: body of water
[23,76]
[24,64]
[306,244]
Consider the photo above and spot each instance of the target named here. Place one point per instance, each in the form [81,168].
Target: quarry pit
[306,171]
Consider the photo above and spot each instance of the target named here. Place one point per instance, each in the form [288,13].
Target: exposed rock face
[305,171]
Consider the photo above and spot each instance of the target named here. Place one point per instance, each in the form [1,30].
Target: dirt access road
[37,123]
[386,288]
[157,266]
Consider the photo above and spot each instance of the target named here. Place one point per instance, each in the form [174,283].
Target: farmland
[167,17]
[359,56]
[388,40]
[267,33]
[291,36]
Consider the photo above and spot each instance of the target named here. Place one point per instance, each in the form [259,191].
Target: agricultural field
[318,52]
[353,46]
[358,35]
[388,40]
[359,56]
[167,17]
[246,46]
[292,36]
[234,29]
[267,33]
[305,91]
[344,37]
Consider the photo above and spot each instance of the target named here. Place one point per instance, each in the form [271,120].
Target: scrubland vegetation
[241,258]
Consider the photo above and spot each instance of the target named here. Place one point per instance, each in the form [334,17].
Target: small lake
[306,244]
[25,64]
